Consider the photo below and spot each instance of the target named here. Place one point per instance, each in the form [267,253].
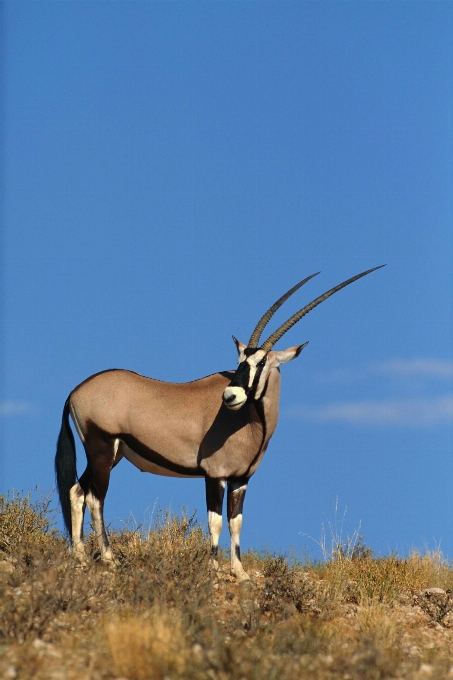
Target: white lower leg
[235,525]
[215,529]
[77,499]
[95,508]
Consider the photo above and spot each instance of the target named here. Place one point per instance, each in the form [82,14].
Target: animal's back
[121,401]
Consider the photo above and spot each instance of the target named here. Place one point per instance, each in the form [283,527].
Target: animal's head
[256,363]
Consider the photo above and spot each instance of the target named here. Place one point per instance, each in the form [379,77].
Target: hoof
[241,575]
[80,557]
[107,559]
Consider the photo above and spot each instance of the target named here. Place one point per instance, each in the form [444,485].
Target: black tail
[65,466]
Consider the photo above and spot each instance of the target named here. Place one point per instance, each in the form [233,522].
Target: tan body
[181,429]
[171,429]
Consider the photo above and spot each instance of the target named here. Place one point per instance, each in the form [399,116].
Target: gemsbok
[217,427]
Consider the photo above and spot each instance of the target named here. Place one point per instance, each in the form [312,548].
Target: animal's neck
[268,406]
[265,416]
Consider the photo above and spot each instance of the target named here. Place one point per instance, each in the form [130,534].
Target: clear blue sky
[169,170]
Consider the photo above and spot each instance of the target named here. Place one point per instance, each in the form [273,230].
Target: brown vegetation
[162,614]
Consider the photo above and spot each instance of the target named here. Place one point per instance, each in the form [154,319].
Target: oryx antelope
[217,428]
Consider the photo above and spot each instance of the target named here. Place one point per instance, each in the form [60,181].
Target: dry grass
[385,579]
[161,614]
[151,646]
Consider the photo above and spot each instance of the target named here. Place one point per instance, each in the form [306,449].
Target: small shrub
[24,522]
[168,566]
[436,603]
[285,590]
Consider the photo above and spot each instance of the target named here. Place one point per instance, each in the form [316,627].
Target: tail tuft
[65,466]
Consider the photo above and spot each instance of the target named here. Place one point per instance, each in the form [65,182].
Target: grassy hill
[162,614]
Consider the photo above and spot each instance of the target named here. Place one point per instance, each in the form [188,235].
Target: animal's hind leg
[77,495]
[101,458]
[96,508]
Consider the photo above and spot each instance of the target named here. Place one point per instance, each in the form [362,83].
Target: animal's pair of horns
[270,342]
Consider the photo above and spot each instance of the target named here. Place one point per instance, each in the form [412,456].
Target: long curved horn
[253,342]
[270,342]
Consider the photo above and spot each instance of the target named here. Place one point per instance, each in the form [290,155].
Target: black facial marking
[241,377]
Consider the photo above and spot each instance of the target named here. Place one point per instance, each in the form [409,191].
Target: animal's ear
[239,346]
[289,354]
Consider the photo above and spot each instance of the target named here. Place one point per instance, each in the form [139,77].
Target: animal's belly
[156,464]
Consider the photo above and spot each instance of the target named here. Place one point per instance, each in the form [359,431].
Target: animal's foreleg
[235,501]
[215,489]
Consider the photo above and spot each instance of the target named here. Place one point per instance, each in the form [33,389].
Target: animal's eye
[261,363]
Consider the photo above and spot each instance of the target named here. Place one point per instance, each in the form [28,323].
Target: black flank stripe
[157,458]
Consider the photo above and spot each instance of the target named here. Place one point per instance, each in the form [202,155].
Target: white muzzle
[234,397]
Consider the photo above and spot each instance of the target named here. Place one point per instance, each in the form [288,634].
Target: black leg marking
[235,502]
[236,495]
[215,490]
